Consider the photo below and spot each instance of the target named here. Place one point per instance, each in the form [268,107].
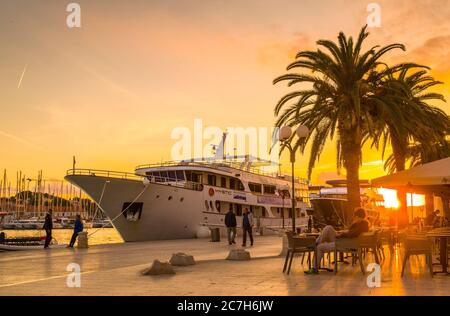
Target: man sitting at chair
[326,241]
[433,219]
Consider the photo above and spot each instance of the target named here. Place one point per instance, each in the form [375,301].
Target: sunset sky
[112,91]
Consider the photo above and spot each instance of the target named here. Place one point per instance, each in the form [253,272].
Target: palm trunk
[353,191]
[400,162]
[351,152]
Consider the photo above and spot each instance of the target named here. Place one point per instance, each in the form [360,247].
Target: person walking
[77,229]
[247,227]
[230,222]
[48,227]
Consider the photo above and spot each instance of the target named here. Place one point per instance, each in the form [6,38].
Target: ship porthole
[182,199]
[170,197]
[157,196]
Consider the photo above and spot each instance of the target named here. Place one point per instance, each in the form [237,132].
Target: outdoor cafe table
[442,234]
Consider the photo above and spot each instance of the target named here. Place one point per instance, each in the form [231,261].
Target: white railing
[217,165]
[131,176]
[104,173]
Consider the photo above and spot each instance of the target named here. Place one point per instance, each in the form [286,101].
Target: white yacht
[176,200]
[331,208]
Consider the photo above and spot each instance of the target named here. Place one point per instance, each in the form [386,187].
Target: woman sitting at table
[326,241]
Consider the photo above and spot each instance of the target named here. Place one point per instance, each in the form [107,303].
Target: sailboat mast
[4,201]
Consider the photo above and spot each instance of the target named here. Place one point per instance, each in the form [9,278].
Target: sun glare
[391,201]
[390,198]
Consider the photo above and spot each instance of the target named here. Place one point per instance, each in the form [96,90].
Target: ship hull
[160,211]
[166,211]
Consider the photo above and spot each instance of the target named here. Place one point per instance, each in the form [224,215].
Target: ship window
[218,206]
[157,176]
[269,189]
[188,175]
[238,209]
[172,176]
[285,194]
[255,187]
[197,177]
[132,211]
[236,184]
[211,179]
[164,176]
[180,175]
[223,182]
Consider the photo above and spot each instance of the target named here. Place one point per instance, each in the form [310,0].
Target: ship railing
[196,186]
[131,176]
[207,163]
[220,164]
[104,173]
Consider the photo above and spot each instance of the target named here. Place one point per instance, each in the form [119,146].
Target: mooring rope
[126,209]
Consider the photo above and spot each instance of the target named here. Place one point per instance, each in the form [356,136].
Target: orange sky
[112,91]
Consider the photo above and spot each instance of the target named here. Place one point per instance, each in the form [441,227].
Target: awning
[436,173]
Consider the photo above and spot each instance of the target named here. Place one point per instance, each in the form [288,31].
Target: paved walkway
[115,270]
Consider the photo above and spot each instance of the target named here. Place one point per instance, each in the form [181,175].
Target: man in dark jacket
[326,241]
[432,219]
[247,227]
[48,226]
[230,222]
[77,229]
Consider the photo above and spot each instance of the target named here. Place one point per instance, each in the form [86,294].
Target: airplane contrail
[18,139]
[21,77]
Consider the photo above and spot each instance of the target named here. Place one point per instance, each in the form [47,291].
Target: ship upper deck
[230,166]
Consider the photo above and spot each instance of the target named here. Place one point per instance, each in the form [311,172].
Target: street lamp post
[284,135]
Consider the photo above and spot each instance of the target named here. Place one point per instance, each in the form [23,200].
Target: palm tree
[336,97]
[413,124]
[421,153]
[420,125]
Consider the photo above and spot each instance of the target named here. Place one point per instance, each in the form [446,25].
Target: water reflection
[101,236]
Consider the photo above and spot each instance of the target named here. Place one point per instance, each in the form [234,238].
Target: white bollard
[284,244]
[238,255]
[203,232]
[181,259]
[83,240]
[158,268]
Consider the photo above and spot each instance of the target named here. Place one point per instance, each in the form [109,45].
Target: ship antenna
[220,149]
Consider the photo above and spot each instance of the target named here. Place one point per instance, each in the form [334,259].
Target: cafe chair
[350,246]
[448,248]
[386,238]
[370,242]
[297,245]
[417,245]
